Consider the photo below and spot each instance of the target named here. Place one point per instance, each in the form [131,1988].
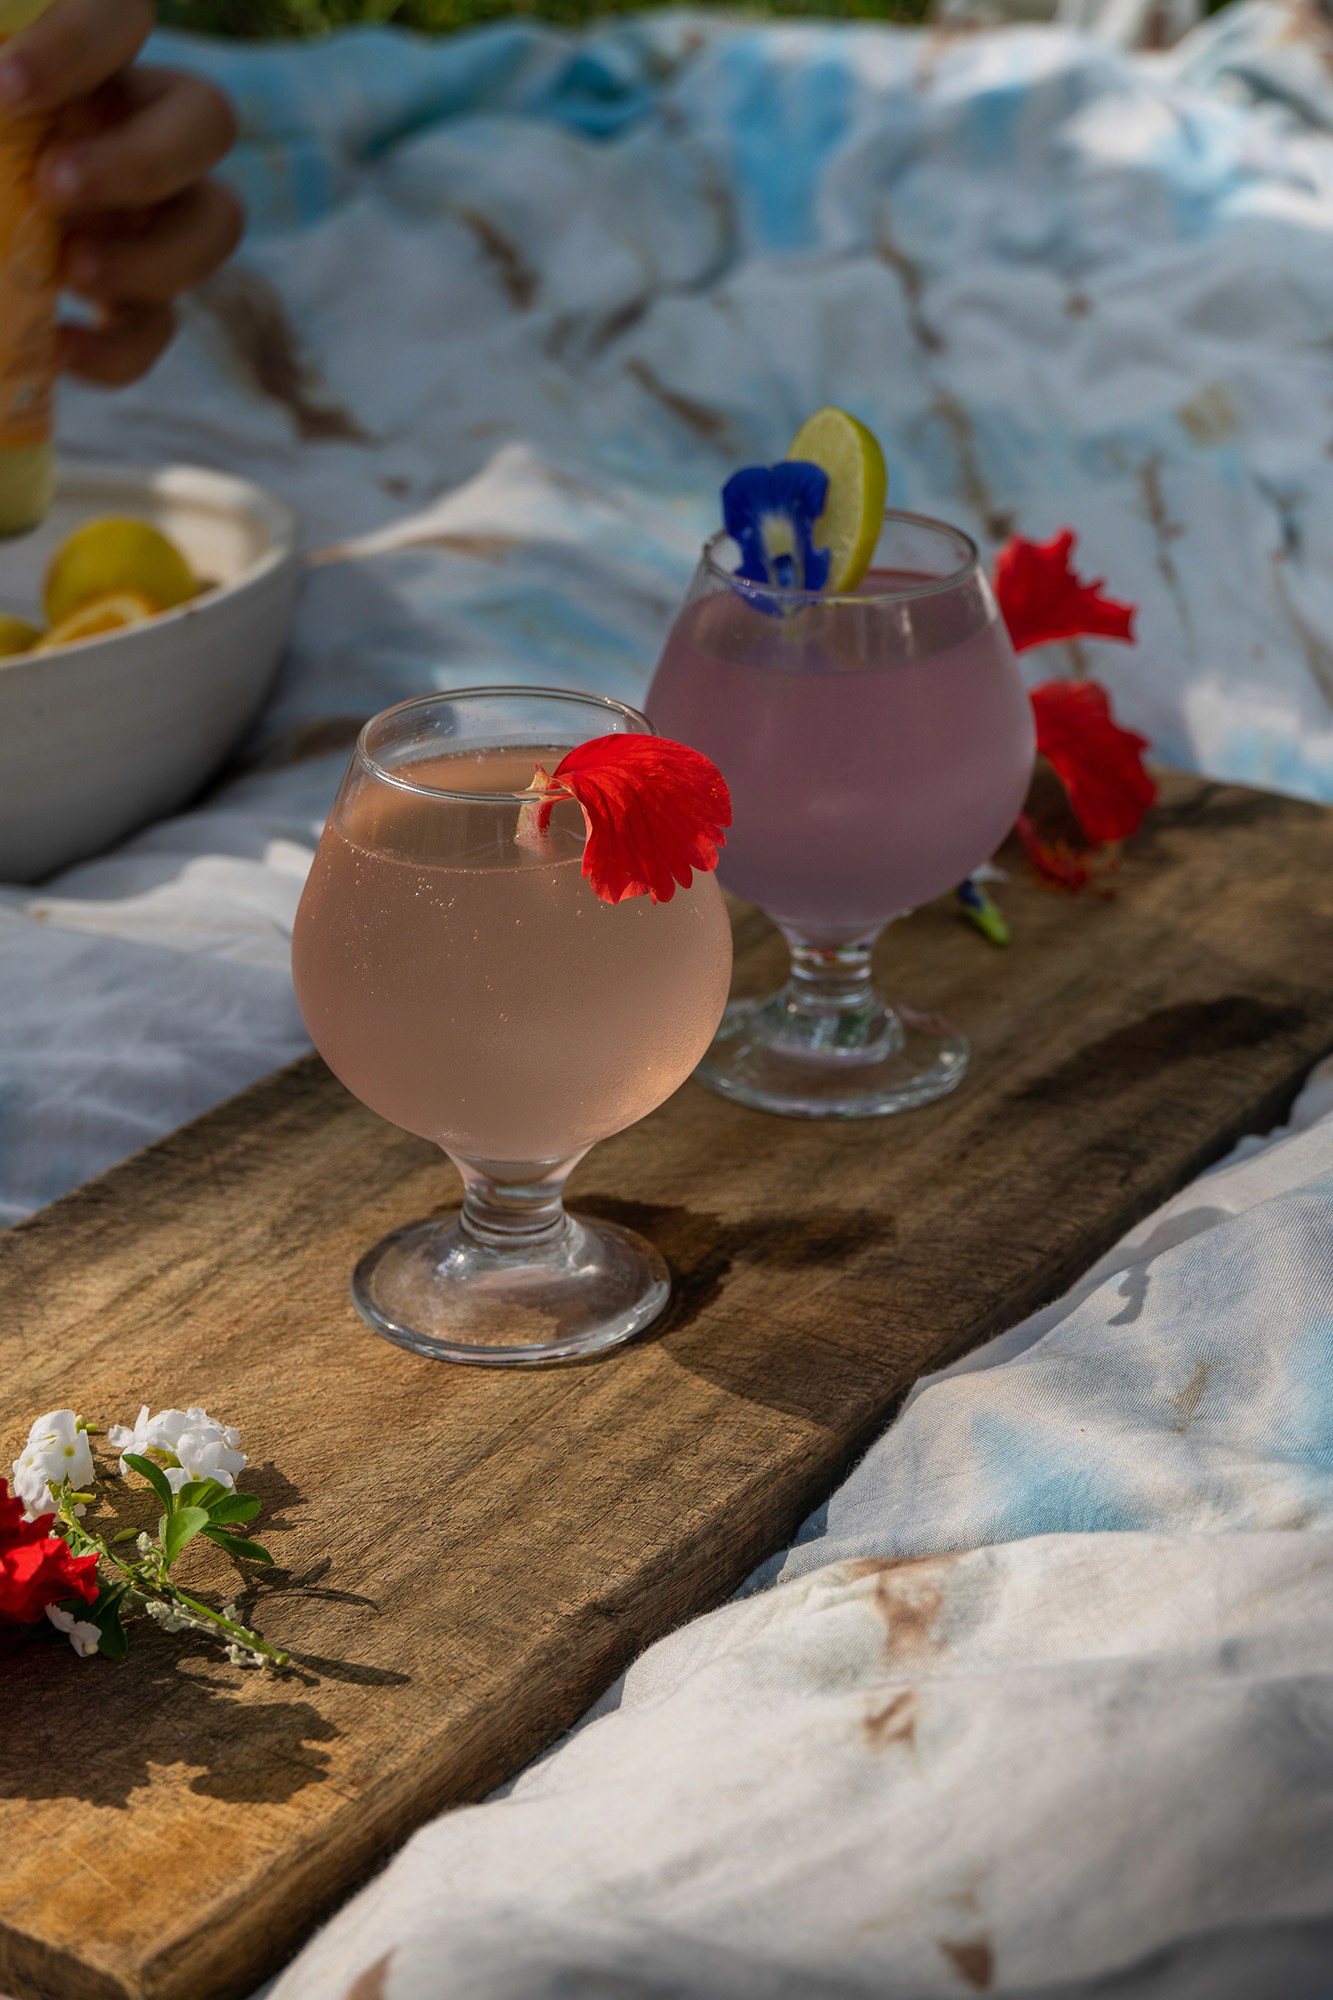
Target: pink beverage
[872,764]
[475,990]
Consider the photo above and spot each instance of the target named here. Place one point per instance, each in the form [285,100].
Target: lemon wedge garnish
[95,620]
[104,558]
[858,481]
[16,636]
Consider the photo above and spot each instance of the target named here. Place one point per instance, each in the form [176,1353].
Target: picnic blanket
[521,300]
[1041,1703]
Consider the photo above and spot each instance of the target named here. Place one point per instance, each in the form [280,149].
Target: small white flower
[207,1450]
[56,1450]
[201,1447]
[144,1544]
[168,1617]
[83,1637]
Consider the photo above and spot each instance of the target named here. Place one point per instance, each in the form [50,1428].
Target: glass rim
[930,587]
[365,757]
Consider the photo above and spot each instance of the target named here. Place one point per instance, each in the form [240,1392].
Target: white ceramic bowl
[99,738]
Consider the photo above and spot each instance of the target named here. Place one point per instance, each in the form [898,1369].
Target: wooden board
[172,1828]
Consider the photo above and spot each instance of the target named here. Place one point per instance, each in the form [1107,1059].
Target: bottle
[29,259]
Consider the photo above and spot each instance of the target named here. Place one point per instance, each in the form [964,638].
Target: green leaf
[235,1507]
[200,1493]
[105,1615]
[182,1527]
[237,1545]
[155,1476]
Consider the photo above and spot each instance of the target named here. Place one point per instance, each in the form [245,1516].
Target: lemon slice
[857,483]
[103,558]
[95,620]
[16,636]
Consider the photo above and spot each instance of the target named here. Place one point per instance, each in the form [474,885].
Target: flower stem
[148,1582]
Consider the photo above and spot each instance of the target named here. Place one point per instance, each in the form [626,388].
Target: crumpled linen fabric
[520,301]
[1040,1703]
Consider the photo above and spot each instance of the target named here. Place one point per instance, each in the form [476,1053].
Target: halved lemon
[95,620]
[16,636]
[104,558]
[858,481]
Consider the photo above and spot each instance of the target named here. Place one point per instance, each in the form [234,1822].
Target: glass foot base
[774,1056]
[440,1291]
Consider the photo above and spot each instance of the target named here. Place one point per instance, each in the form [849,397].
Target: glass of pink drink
[878,748]
[470,986]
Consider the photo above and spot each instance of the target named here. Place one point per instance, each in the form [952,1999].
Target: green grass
[439,17]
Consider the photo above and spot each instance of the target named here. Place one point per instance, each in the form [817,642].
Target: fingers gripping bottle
[29,257]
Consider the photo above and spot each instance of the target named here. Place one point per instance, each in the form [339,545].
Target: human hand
[126,173]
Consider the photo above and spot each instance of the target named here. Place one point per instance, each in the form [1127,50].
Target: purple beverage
[866,776]
[878,746]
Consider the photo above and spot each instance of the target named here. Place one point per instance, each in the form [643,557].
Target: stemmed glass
[878,747]
[470,986]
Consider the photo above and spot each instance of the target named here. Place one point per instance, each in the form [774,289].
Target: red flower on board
[1099,764]
[1042,599]
[36,1567]
[655,811]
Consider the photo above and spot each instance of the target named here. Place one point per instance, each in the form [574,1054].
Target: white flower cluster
[172,1619]
[187,1444]
[201,1447]
[56,1450]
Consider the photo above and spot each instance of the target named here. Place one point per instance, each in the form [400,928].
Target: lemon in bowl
[121,716]
[17,635]
[98,617]
[110,556]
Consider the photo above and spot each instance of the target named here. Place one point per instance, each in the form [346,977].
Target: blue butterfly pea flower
[770,511]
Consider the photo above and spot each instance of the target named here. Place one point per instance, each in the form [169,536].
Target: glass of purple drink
[878,746]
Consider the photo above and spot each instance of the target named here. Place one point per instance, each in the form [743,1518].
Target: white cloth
[1041,1703]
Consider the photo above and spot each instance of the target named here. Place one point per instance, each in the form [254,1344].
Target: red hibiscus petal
[1099,764]
[1041,599]
[36,1567]
[1054,860]
[655,812]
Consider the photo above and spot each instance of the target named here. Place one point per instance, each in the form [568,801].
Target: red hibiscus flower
[1100,765]
[1042,600]
[655,811]
[36,1567]
[1063,866]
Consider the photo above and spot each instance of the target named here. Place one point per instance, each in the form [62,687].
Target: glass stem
[832,978]
[830,1005]
[519,1215]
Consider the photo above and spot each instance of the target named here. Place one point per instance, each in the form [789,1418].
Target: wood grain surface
[468,1557]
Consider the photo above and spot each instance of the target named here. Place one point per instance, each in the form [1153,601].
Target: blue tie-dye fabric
[521,301]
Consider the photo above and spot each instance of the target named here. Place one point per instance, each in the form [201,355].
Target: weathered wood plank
[499,1545]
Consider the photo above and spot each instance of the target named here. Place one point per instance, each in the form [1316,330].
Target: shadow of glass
[790,1373]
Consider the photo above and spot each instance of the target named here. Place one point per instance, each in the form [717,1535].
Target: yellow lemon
[103,558]
[95,620]
[16,636]
[858,481]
